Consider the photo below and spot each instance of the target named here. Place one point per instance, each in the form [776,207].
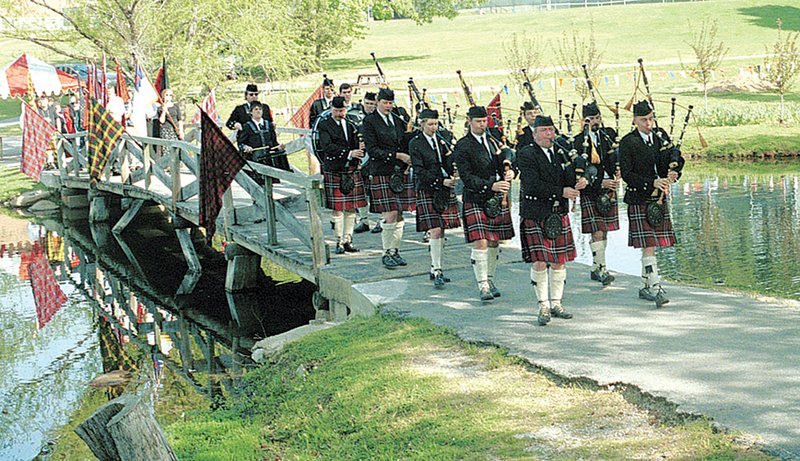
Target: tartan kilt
[642,235]
[408,199]
[336,200]
[536,247]
[477,226]
[382,199]
[428,218]
[591,219]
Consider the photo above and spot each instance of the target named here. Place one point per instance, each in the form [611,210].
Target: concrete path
[727,356]
[12,146]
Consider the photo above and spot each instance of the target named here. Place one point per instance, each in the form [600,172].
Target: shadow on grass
[765,16]
[331,65]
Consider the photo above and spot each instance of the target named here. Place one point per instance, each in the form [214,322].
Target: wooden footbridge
[282,221]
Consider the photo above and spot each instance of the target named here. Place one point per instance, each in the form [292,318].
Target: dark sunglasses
[252,94]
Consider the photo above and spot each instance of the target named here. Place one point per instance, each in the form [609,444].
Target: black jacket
[428,175]
[477,169]
[542,183]
[608,161]
[383,142]
[241,114]
[334,148]
[251,136]
[317,107]
[641,164]
[525,139]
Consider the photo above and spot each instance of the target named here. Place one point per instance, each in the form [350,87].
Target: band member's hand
[662,184]
[247,149]
[403,157]
[509,175]
[362,146]
[281,146]
[449,182]
[570,193]
[501,186]
[672,176]
[610,183]
[581,184]
[237,126]
[356,153]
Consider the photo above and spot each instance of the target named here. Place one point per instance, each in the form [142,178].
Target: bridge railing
[153,164]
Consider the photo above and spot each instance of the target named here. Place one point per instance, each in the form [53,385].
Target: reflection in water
[76,302]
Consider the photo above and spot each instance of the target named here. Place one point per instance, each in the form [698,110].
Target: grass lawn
[13,183]
[387,389]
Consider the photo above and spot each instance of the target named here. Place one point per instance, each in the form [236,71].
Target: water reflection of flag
[47,294]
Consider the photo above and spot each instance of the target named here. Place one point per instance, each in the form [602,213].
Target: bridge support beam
[244,268]
[99,206]
[128,217]
[195,269]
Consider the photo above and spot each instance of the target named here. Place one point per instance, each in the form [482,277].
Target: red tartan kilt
[428,218]
[642,235]
[477,226]
[536,247]
[382,199]
[336,200]
[593,221]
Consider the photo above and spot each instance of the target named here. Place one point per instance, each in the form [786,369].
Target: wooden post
[175,172]
[228,212]
[244,268]
[272,224]
[98,206]
[319,249]
[146,165]
[128,217]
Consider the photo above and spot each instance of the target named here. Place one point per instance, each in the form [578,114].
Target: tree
[708,52]
[782,63]
[524,52]
[332,28]
[421,11]
[575,48]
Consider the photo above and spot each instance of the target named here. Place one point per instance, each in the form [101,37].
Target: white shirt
[482,139]
[648,139]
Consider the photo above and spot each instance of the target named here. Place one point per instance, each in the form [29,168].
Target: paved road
[727,356]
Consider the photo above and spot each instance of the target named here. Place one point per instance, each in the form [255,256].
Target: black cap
[590,110]
[641,108]
[386,93]
[255,104]
[527,105]
[338,102]
[251,88]
[369,96]
[542,120]
[429,114]
[476,112]
[328,82]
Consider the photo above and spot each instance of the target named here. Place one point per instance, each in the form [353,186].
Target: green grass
[13,183]
[381,388]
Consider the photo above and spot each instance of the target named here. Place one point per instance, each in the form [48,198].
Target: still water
[76,302]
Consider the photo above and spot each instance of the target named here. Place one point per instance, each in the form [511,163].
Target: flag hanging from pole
[300,118]
[495,116]
[104,132]
[37,133]
[121,87]
[220,162]
[210,107]
[104,82]
[144,97]
[161,79]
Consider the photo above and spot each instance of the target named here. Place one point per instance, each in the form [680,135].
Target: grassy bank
[13,183]
[388,389]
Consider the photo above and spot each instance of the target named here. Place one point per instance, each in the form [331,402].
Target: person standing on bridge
[367,107]
[649,164]
[341,152]
[544,228]
[259,142]
[388,165]
[241,113]
[437,208]
[324,103]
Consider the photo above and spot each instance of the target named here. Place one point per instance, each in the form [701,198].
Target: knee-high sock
[363,214]
[398,234]
[387,235]
[479,265]
[557,281]
[338,227]
[349,219]
[540,283]
[494,255]
[650,270]
[435,247]
[598,254]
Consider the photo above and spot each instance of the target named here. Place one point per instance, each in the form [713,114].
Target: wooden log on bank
[125,429]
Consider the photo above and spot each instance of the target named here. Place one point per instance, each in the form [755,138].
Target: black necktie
[344,128]
[649,141]
[486,146]
[552,156]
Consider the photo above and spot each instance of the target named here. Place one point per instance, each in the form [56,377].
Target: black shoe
[544,315]
[645,293]
[388,261]
[339,249]
[333,225]
[377,229]
[485,294]
[446,279]
[595,275]
[349,248]
[493,290]
[361,227]
[559,312]
[438,280]
[660,298]
[399,259]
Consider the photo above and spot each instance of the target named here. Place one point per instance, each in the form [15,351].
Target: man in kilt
[599,149]
[486,187]
[529,112]
[341,153]
[645,158]
[546,188]
[434,179]
[367,107]
[384,137]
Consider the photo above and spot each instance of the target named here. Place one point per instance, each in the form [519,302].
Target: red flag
[300,118]
[210,107]
[220,162]
[47,294]
[495,118]
[122,88]
[161,79]
[104,86]
[36,135]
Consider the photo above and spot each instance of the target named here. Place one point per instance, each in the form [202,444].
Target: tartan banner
[104,132]
[47,294]
[300,118]
[220,162]
[37,133]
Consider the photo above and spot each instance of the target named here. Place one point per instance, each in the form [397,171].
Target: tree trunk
[782,118]
[705,95]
